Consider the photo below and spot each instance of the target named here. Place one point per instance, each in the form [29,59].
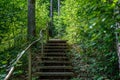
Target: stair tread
[63,57]
[54,53]
[54,49]
[55,58]
[55,61]
[57,40]
[56,44]
[54,79]
[54,73]
[56,67]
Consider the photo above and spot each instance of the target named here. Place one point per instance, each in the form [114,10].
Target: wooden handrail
[22,53]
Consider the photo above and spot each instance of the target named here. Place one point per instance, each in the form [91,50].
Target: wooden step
[56,47]
[55,67]
[55,62]
[54,73]
[55,79]
[57,41]
[55,50]
[56,44]
[63,57]
[54,54]
[55,58]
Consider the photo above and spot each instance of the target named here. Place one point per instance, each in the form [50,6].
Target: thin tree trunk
[51,9]
[118,34]
[58,7]
[118,45]
[51,18]
[31,19]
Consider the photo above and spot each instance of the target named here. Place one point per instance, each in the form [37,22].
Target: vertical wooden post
[42,44]
[29,65]
[47,32]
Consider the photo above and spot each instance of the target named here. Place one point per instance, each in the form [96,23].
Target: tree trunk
[31,19]
[118,45]
[51,19]
[58,7]
[118,34]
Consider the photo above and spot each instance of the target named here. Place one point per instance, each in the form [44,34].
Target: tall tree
[58,7]
[117,11]
[31,19]
[51,18]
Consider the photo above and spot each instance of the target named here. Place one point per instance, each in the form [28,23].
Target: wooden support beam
[29,65]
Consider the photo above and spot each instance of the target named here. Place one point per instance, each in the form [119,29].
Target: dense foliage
[88,25]
[13,30]
[91,25]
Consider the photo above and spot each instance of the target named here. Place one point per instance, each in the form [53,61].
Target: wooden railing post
[47,33]
[42,45]
[29,65]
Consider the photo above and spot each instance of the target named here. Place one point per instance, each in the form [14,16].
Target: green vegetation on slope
[88,25]
[92,26]
[13,30]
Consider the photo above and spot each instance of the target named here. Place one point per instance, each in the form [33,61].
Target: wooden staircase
[54,63]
